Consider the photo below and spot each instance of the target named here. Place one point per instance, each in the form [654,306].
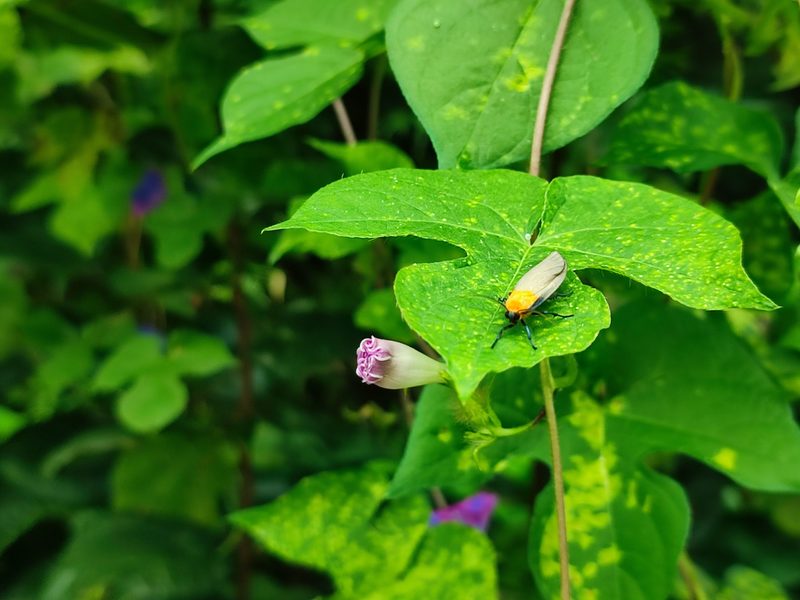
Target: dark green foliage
[193,245]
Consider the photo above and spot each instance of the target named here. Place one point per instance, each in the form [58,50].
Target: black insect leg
[501,332]
[542,313]
[528,333]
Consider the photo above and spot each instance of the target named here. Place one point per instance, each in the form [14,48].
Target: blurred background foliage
[163,364]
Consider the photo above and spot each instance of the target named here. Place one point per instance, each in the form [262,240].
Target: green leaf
[122,556]
[688,385]
[686,129]
[192,477]
[10,422]
[138,354]
[473,72]
[10,35]
[198,354]
[743,583]
[331,515]
[654,237]
[768,247]
[659,239]
[364,157]
[626,528]
[453,561]
[155,400]
[276,93]
[302,22]
[436,454]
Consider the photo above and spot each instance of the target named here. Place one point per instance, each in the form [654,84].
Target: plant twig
[344,122]
[689,576]
[246,407]
[547,88]
[548,387]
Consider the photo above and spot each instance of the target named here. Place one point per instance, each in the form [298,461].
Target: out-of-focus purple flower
[395,366]
[149,193]
[475,511]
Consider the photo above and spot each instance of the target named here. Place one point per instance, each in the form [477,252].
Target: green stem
[548,389]
[344,122]
[689,576]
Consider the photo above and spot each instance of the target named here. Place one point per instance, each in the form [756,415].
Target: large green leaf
[660,239]
[686,129]
[274,94]
[302,22]
[472,71]
[333,521]
[329,522]
[626,527]
[688,385]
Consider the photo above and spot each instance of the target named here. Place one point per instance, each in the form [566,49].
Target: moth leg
[542,313]
[501,332]
[528,333]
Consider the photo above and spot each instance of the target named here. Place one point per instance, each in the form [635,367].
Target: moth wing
[545,278]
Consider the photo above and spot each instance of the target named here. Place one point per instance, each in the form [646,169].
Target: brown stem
[246,407]
[547,88]
[344,122]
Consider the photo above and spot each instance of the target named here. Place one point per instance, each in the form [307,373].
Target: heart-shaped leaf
[472,71]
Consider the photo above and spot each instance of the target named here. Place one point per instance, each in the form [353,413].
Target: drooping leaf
[472,71]
[276,93]
[688,385]
[654,237]
[686,129]
[154,400]
[302,22]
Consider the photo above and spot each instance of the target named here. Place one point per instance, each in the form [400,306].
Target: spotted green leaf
[685,129]
[364,157]
[274,94]
[472,71]
[626,524]
[689,385]
[390,552]
[453,304]
[302,22]
[657,238]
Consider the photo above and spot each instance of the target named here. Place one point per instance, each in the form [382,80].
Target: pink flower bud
[395,366]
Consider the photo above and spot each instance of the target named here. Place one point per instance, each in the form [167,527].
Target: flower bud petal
[395,366]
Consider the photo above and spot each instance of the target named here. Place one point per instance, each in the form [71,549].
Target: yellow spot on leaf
[609,556]
[445,436]
[725,458]
[415,43]
[362,14]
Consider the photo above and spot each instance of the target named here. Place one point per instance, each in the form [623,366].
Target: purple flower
[395,366]
[475,511]
[149,193]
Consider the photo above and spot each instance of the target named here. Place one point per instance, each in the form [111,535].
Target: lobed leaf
[654,237]
[472,71]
